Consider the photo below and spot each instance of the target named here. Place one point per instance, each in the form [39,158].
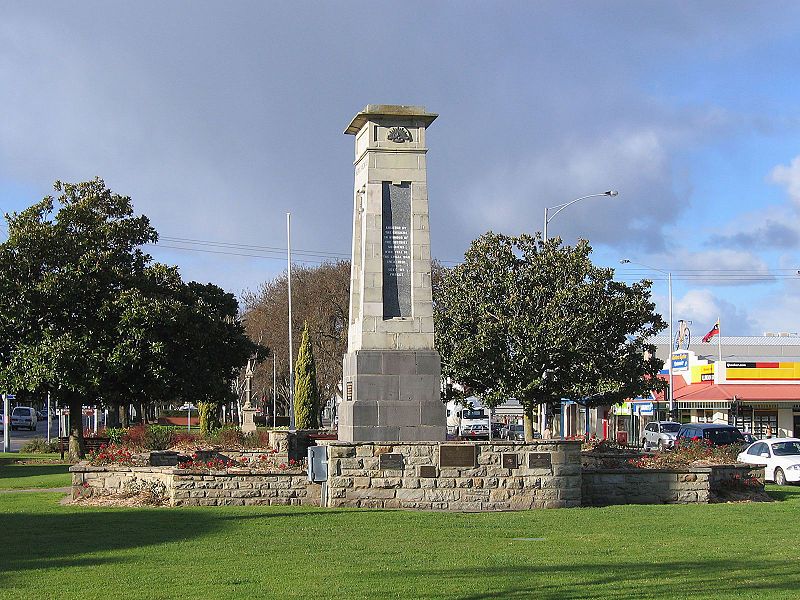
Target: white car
[781,457]
[660,434]
[24,416]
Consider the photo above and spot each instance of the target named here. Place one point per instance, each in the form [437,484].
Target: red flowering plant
[212,464]
[111,455]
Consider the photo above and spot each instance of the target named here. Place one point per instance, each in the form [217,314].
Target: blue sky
[218,118]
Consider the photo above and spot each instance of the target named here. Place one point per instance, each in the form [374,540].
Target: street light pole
[561,207]
[671,396]
[547,218]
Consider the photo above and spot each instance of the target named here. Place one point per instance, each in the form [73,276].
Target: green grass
[713,551]
[45,472]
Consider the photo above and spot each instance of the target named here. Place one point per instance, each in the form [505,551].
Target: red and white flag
[714,331]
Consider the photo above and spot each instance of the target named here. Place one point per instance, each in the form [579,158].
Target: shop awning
[756,392]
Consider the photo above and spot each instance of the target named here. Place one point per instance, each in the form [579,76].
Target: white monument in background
[391,369]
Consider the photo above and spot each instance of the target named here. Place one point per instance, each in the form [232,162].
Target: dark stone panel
[396,245]
[390,461]
[457,455]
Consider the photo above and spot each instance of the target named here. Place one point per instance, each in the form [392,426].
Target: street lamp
[547,218]
[626,261]
[561,207]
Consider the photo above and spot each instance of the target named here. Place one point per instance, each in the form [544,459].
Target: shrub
[114,434]
[256,439]
[182,439]
[39,446]
[229,436]
[687,453]
[159,437]
[134,437]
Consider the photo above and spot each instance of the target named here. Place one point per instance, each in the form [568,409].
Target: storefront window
[762,420]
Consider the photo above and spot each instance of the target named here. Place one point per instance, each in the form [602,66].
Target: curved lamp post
[626,261]
[561,207]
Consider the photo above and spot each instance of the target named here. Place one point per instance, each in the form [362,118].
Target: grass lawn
[18,471]
[712,551]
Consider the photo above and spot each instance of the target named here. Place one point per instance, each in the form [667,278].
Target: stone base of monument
[392,395]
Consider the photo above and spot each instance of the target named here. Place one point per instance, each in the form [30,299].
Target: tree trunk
[528,420]
[208,417]
[123,414]
[113,416]
[142,414]
[77,448]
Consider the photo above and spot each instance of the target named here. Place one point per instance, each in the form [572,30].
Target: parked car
[718,433]
[475,432]
[749,438]
[497,429]
[660,434]
[513,432]
[23,416]
[781,457]
[41,415]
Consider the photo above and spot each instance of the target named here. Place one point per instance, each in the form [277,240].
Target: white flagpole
[289,289]
[719,340]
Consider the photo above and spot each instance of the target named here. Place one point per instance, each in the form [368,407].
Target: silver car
[660,434]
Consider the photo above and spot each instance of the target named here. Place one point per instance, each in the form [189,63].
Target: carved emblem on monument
[399,135]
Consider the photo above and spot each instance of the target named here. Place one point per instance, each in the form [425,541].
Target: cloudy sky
[218,118]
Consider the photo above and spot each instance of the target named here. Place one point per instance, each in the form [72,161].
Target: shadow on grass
[621,579]
[783,492]
[59,538]
[20,471]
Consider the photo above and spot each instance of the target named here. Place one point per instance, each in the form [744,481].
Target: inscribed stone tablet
[390,462]
[427,471]
[510,460]
[461,455]
[396,247]
[539,460]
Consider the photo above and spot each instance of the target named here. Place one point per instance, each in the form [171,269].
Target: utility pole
[6,424]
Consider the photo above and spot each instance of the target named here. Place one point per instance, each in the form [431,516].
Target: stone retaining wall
[231,487]
[604,487]
[547,474]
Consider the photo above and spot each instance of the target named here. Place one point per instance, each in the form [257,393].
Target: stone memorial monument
[391,369]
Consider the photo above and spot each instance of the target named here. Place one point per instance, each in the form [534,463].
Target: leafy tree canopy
[87,315]
[537,321]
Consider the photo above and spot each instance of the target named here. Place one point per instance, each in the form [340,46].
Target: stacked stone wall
[546,474]
[605,487]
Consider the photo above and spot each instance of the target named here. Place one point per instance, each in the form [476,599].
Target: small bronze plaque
[539,460]
[349,390]
[457,455]
[427,471]
[510,460]
[390,462]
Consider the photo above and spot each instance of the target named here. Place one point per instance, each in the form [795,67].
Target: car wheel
[780,478]
[660,445]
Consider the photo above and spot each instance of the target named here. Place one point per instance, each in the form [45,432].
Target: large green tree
[306,393]
[88,316]
[537,321]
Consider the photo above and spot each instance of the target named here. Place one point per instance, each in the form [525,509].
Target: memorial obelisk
[391,369]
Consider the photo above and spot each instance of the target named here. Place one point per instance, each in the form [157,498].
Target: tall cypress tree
[306,395]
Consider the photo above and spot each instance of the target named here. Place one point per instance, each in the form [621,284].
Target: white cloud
[703,307]
[789,177]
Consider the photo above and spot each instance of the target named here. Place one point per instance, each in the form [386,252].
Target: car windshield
[670,427]
[518,428]
[724,436]
[472,414]
[786,449]
[21,412]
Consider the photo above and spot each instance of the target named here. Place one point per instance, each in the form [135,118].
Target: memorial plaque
[539,460]
[388,462]
[461,455]
[427,471]
[509,460]
[396,246]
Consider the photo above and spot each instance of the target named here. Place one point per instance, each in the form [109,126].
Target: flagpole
[719,341]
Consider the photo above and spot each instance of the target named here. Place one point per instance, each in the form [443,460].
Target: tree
[306,393]
[208,346]
[61,277]
[537,321]
[88,316]
[320,298]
